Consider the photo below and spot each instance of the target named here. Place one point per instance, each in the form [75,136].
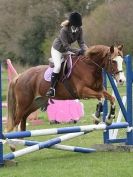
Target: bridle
[108,65]
[112,70]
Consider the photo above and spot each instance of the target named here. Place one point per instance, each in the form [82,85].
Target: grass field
[55,163]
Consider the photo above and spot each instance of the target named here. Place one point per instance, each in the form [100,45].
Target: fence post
[105,109]
[129,79]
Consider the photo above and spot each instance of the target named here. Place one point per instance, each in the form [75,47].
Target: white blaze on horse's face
[119,76]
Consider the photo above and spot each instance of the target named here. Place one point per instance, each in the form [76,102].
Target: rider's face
[74,29]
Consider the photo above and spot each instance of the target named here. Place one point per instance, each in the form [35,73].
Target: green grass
[50,163]
[55,163]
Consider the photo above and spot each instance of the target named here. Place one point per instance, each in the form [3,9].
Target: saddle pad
[67,64]
[47,74]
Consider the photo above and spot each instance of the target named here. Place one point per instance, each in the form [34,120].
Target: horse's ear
[120,47]
[112,49]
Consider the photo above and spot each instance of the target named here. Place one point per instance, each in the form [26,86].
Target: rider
[70,32]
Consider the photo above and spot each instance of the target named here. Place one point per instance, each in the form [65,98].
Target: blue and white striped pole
[56,146]
[53,131]
[42,145]
[75,129]
[1,144]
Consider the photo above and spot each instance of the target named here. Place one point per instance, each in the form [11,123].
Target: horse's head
[115,64]
[108,58]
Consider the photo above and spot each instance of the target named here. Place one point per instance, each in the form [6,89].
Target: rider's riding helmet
[75,19]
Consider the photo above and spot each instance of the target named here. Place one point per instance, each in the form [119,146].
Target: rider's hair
[65,23]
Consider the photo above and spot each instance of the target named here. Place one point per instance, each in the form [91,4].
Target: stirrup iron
[51,92]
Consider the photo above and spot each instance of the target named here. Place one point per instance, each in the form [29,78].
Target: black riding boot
[51,91]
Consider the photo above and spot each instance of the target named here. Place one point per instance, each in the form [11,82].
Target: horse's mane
[96,50]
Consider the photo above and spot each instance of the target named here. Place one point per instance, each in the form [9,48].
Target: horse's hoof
[12,147]
[54,122]
[74,121]
[109,119]
[108,122]
[96,120]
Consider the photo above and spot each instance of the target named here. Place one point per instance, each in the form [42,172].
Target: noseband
[115,73]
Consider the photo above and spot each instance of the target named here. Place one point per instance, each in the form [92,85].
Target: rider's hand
[80,52]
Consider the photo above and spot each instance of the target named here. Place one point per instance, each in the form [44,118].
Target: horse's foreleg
[86,92]
[99,111]
[89,93]
[111,115]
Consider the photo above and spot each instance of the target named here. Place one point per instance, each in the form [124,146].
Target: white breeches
[56,57]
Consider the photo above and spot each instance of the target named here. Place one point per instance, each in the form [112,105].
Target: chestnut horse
[85,81]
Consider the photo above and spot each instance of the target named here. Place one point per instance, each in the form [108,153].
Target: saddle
[66,67]
[65,73]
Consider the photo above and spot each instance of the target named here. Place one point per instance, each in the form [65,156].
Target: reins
[92,61]
[76,62]
[107,67]
[96,64]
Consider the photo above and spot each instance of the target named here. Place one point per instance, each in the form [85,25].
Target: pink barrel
[64,111]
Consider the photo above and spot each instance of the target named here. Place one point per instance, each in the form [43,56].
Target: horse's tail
[11,105]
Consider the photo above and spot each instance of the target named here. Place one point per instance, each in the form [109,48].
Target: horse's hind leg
[31,108]
[20,124]
[23,124]
[111,115]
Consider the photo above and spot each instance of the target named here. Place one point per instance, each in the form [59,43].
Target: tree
[25,25]
[110,23]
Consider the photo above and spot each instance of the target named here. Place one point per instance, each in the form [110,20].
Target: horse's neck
[84,65]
